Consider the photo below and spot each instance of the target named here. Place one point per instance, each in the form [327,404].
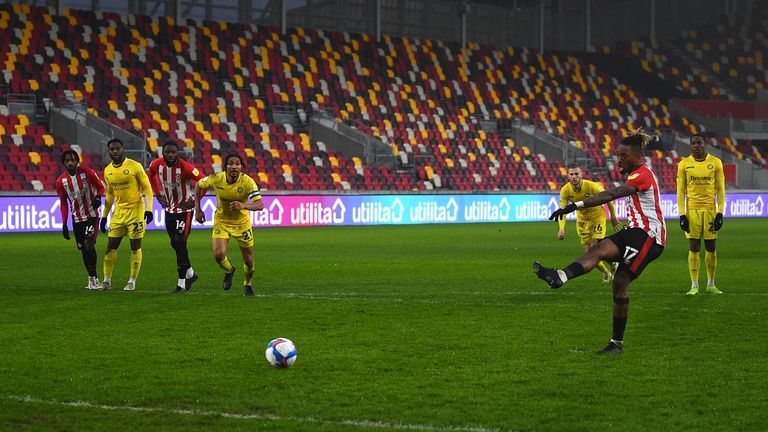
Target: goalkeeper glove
[96,202]
[684,223]
[148,216]
[103,225]
[65,231]
[718,222]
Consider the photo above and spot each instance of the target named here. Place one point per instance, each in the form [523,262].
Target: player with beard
[171,180]
[634,247]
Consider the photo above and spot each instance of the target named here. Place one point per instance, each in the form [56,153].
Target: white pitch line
[238,416]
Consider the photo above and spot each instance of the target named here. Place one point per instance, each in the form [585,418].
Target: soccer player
[82,188]
[171,180]
[701,202]
[634,247]
[236,194]
[126,180]
[590,222]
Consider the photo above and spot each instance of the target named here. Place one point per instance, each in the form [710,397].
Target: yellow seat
[35,158]
[216,159]
[48,140]
[430,172]
[263,177]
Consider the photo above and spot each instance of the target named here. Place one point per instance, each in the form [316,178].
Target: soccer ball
[281,353]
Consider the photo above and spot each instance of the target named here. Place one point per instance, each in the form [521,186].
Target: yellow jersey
[125,183]
[243,190]
[588,188]
[699,183]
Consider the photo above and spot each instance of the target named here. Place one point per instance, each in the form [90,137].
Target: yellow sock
[226,265]
[110,258]
[248,274]
[710,259]
[693,267]
[136,256]
[601,266]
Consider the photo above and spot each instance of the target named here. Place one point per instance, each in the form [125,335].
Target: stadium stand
[217,87]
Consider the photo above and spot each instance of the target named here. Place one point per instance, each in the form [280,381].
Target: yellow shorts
[127,222]
[590,230]
[243,233]
[701,223]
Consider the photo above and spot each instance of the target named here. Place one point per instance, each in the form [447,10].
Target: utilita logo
[747,207]
[431,211]
[317,214]
[376,212]
[487,211]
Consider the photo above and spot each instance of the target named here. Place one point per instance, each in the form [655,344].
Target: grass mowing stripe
[238,416]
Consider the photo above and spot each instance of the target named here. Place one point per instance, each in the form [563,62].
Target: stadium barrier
[42,213]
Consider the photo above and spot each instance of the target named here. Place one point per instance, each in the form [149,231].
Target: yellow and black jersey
[700,184]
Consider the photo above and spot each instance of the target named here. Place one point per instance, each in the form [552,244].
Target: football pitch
[425,328]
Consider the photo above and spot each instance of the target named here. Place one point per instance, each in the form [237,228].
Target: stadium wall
[42,213]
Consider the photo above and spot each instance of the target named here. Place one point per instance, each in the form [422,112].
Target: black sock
[574,270]
[182,259]
[619,324]
[89,259]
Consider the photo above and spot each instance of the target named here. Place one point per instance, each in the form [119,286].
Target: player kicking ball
[634,247]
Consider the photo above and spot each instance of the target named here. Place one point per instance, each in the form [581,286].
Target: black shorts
[636,249]
[86,230]
[177,225]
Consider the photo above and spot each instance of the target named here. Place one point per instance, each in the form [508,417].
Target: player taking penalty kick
[590,222]
[236,194]
[634,247]
[126,180]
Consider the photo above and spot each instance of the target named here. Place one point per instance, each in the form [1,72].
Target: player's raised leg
[555,278]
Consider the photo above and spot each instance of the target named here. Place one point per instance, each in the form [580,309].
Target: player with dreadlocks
[634,247]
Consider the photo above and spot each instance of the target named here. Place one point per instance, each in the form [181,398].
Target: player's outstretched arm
[595,200]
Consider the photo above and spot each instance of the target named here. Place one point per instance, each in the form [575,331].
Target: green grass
[397,328]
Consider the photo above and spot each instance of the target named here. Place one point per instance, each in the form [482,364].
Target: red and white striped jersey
[174,183]
[80,190]
[644,206]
